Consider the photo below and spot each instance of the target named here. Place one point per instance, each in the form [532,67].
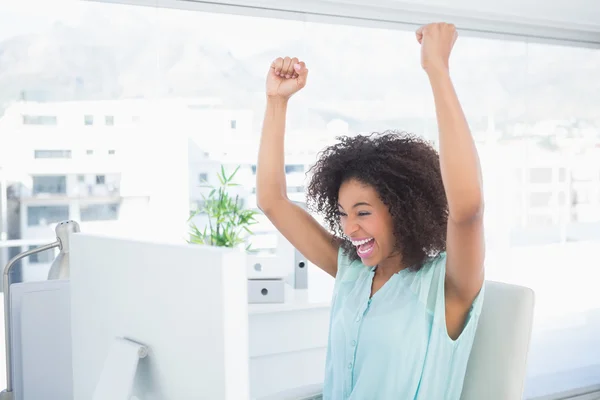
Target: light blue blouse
[394,345]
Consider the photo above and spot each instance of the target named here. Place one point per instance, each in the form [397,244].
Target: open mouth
[365,247]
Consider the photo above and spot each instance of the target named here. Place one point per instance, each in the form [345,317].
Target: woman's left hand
[436,41]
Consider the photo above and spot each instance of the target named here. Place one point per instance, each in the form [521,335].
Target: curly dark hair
[405,171]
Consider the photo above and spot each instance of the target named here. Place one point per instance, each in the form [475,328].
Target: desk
[288,343]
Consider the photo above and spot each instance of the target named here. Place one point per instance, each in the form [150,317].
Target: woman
[407,250]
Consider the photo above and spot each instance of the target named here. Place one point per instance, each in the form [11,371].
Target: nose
[350,227]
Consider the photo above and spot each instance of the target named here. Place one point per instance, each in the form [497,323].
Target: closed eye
[360,214]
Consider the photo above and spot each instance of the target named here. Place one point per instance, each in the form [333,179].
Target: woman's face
[366,221]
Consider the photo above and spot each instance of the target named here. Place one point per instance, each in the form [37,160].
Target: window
[88,120]
[89,152]
[542,222]
[109,120]
[44,257]
[81,178]
[541,175]
[45,215]
[99,212]
[52,154]
[39,120]
[49,184]
[100,179]
[295,189]
[200,204]
[203,177]
[111,152]
[294,168]
[543,199]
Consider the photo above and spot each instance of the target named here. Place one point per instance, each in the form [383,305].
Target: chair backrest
[498,361]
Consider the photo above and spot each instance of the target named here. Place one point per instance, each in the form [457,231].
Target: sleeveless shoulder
[428,285]
[455,353]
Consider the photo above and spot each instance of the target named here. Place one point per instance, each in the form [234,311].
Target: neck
[389,266]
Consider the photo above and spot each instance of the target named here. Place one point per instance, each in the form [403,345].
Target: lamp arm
[7,322]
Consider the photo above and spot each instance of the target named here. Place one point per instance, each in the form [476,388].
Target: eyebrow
[361,203]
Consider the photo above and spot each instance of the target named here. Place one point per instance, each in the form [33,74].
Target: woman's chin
[369,261]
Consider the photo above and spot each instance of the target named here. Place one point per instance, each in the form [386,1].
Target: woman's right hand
[286,77]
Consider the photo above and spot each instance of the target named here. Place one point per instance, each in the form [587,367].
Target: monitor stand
[120,367]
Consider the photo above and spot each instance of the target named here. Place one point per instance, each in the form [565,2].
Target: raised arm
[461,173]
[286,77]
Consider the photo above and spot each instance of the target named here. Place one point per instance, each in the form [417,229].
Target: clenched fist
[286,77]
[436,42]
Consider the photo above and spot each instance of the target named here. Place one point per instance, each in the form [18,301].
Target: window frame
[380,14]
[401,15]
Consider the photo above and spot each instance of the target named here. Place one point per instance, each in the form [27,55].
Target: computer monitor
[187,303]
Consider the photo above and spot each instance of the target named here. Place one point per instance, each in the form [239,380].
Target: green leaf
[228,222]
[233,174]
[193,213]
[223,176]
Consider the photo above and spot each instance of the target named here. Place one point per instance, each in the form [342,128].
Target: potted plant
[229,226]
[228,222]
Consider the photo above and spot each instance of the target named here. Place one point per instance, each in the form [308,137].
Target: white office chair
[498,361]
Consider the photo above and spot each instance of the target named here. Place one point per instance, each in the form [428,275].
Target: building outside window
[52,154]
[49,184]
[294,168]
[40,120]
[99,212]
[43,257]
[45,215]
